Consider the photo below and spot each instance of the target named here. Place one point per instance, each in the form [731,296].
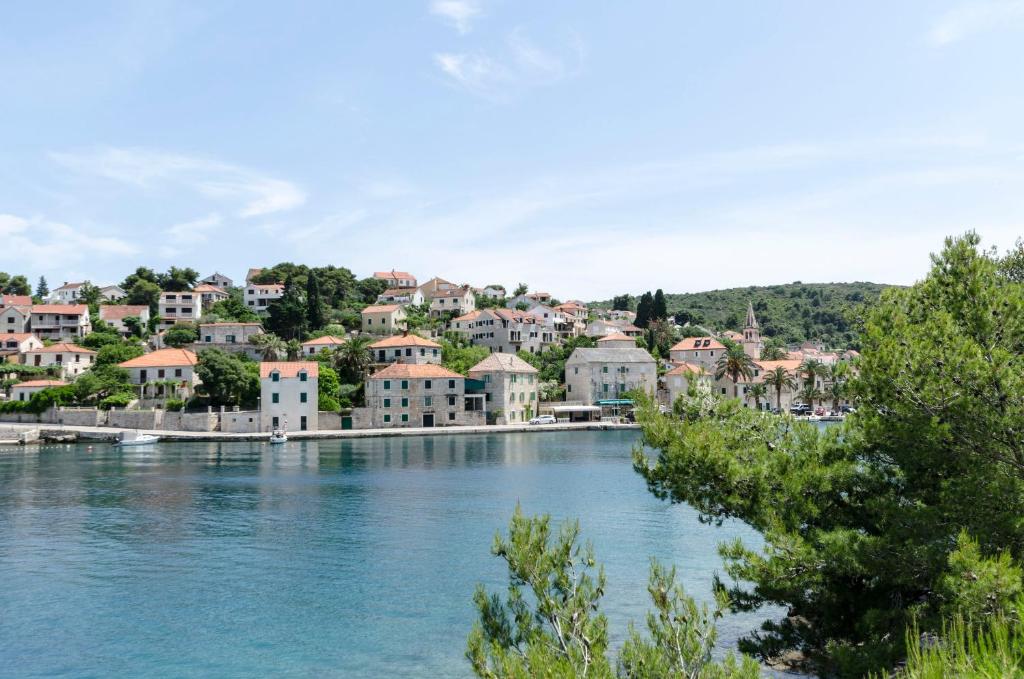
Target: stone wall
[135,419]
[178,421]
[48,417]
[329,420]
[240,422]
[362,418]
[81,417]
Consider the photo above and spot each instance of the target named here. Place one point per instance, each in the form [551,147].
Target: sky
[585,148]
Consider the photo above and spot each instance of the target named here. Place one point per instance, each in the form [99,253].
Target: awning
[615,402]
[576,409]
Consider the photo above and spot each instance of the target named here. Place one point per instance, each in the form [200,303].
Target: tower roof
[751,320]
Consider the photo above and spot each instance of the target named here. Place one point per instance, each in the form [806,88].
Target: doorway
[428,419]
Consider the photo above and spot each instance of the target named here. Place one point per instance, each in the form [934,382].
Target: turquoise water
[352,558]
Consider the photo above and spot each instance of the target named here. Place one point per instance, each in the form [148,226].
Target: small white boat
[278,436]
[136,439]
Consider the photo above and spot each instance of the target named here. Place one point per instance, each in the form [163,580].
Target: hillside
[793,312]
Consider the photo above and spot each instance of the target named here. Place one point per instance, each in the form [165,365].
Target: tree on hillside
[779,379]
[902,518]
[14,285]
[178,280]
[89,294]
[228,379]
[521,289]
[352,359]
[287,315]
[270,346]
[181,334]
[773,350]
[644,309]
[622,302]
[141,273]
[42,288]
[146,292]
[659,308]
[314,307]
[461,358]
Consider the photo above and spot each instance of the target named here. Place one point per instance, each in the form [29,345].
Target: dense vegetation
[793,312]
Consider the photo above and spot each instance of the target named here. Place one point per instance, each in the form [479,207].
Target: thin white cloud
[974,18]
[41,244]
[196,230]
[459,13]
[253,194]
[524,65]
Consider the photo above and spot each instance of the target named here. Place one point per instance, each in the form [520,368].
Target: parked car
[544,419]
[847,409]
[801,409]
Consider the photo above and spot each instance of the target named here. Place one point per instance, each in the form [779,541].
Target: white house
[406,349]
[72,359]
[396,279]
[677,380]
[258,297]
[210,294]
[504,330]
[702,351]
[14,345]
[218,280]
[179,307]
[412,296]
[112,293]
[315,346]
[593,375]
[511,385]
[289,395]
[56,321]
[164,367]
[494,292]
[453,300]
[383,319]
[68,293]
[23,391]
[114,315]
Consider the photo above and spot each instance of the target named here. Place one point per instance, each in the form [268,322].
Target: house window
[302,397]
[604,369]
[428,401]
[302,376]
[275,397]
[387,384]
[160,373]
[177,372]
[575,371]
[435,352]
[405,403]
[451,417]
[405,384]
[275,377]
[387,403]
[604,388]
[451,384]
[451,400]
[405,417]
[208,339]
[230,339]
[387,418]
[276,423]
[427,384]
[408,352]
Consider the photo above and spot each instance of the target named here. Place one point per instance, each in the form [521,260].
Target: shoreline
[84,433]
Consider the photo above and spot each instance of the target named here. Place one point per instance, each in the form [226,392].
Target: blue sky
[586,148]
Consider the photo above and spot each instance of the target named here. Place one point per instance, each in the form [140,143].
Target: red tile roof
[12,300]
[61,348]
[18,336]
[68,309]
[381,308]
[41,383]
[692,343]
[404,341]
[326,340]
[392,274]
[405,370]
[289,368]
[162,358]
[206,287]
[616,337]
[684,368]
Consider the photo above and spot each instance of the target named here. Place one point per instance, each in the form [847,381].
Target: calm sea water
[349,558]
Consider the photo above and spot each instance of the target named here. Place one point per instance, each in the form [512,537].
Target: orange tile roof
[116,312]
[11,300]
[392,274]
[381,308]
[267,286]
[69,309]
[206,287]
[398,292]
[162,358]
[684,368]
[426,370]
[325,340]
[41,383]
[616,337]
[61,348]
[289,368]
[471,316]
[691,343]
[791,365]
[19,336]
[404,341]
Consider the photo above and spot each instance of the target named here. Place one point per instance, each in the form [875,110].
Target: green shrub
[174,404]
[116,401]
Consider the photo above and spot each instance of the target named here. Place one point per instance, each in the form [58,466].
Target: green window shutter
[405,417]
[302,397]
[405,384]
[275,397]
[387,384]
[405,403]
[387,418]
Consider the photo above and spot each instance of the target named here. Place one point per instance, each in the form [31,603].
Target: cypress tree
[42,289]
[644,310]
[659,312]
[314,307]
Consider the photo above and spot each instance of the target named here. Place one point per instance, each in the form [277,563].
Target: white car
[544,419]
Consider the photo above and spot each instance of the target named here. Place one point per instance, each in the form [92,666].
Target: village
[209,355]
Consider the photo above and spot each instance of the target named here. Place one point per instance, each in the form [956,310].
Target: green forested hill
[793,312]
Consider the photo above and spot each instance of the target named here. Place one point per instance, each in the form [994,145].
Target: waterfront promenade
[85,433]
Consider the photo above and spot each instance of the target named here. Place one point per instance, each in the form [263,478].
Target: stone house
[511,386]
[72,359]
[383,319]
[406,349]
[417,395]
[289,393]
[597,374]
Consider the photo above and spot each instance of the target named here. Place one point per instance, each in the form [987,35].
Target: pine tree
[42,289]
[314,307]
[644,310]
[659,312]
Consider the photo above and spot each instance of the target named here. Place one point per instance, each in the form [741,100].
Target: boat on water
[278,436]
[135,438]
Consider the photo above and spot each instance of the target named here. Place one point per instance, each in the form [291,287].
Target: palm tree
[352,359]
[812,368]
[735,363]
[757,392]
[293,349]
[779,378]
[270,345]
[838,375]
[809,393]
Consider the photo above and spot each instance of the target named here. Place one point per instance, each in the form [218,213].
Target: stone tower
[752,335]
